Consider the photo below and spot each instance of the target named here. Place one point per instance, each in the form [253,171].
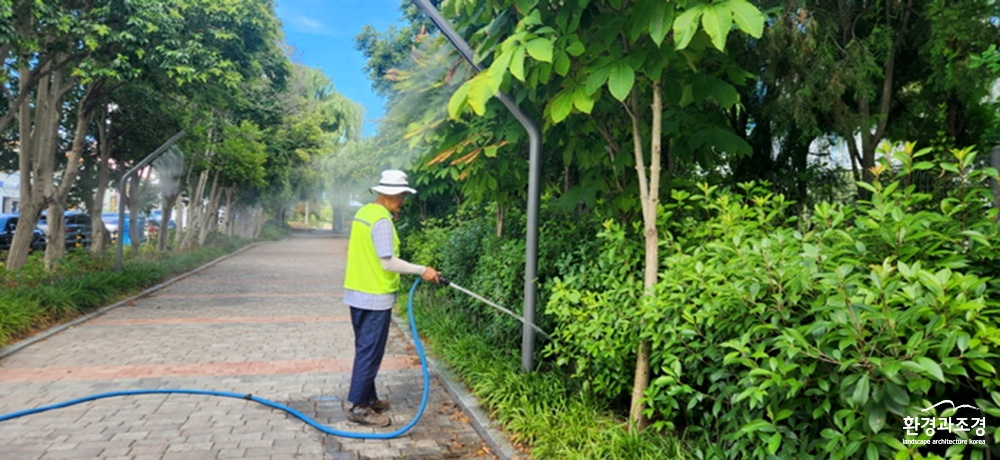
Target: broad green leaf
[687,95]
[876,418]
[686,25]
[597,79]
[576,48]
[963,341]
[533,18]
[747,17]
[830,433]
[717,21]
[861,391]
[562,64]
[560,106]
[620,80]
[494,74]
[774,443]
[458,99]
[871,452]
[582,100]
[540,49]
[517,63]
[931,367]
[757,425]
[659,22]
[725,94]
[479,93]
[897,394]
[983,367]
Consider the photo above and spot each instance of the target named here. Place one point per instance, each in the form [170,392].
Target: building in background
[10,192]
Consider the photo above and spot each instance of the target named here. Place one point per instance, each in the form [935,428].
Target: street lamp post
[534,177]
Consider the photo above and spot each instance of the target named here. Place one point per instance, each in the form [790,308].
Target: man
[370,286]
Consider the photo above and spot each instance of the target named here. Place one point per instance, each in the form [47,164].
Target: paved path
[268,321]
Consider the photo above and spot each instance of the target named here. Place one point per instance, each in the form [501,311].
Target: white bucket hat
[393,182]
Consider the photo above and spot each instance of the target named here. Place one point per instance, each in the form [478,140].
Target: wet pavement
[267,321]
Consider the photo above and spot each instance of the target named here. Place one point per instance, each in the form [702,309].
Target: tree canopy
[92,88]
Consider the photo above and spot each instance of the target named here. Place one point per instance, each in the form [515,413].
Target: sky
[321,34]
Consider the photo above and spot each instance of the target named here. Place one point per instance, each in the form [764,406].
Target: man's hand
[431,275]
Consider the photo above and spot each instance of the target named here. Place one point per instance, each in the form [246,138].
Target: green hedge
[466,249]
[809,337]
[543,412]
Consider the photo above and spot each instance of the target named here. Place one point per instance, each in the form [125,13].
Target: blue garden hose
[269,403]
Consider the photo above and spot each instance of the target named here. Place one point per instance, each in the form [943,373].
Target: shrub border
[18,346]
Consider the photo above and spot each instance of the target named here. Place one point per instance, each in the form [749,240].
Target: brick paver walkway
[268,321]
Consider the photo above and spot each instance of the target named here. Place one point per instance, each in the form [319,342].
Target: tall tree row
[92,88]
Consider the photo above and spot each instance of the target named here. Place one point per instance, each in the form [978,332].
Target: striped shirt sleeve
[382,237]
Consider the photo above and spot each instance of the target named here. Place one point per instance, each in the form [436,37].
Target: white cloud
[305,24]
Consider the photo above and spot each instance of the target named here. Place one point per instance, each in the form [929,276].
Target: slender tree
[640,73]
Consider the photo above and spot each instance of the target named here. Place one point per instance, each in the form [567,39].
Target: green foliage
[594,332]
[17,315]
[465,249]
[772,336]
[541,411]
[274,230]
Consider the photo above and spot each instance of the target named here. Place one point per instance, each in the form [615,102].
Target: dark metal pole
[119,265]
[534,177]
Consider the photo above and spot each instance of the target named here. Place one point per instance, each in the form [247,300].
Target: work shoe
[365,415]
[380,405]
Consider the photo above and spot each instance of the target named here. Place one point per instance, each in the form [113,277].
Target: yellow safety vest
[364,269]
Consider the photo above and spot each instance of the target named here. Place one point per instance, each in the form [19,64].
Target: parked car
[111,223]
[79,229]
[8,224]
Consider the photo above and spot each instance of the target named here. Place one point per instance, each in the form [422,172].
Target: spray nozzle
[444,281]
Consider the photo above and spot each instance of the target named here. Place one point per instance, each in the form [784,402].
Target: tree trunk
[84,115]
[33,197]
[259,221]
[38,163]
[56,247]
[196,212]
[499,220]
[181,215]
[134,193]
[101,236]
[230,218]
[45,148]
[163,235]
[649,191]
[211,220]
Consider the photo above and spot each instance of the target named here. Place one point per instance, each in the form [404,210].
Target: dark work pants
[371,329]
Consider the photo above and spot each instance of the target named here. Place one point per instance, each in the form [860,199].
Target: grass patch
[542,412]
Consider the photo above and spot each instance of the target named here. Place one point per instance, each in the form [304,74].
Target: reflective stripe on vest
[364,269]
